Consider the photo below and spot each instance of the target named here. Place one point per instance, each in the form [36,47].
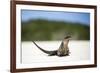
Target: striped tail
[45,51]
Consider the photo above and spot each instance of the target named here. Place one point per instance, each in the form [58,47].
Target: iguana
[63,50]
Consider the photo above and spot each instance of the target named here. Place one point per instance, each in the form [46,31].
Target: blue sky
[57,16]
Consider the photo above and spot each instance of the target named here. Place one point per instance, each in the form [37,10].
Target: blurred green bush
[41,29]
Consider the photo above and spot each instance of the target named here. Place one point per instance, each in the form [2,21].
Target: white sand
[80,50]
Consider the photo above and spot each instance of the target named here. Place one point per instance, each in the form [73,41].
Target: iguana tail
[45,51]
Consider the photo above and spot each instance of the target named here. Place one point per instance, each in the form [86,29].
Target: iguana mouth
[67,37]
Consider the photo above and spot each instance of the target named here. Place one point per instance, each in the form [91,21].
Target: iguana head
[67,37]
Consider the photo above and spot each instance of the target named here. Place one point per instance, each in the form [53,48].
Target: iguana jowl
[63,50]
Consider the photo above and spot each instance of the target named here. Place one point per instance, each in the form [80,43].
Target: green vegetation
[40,29]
